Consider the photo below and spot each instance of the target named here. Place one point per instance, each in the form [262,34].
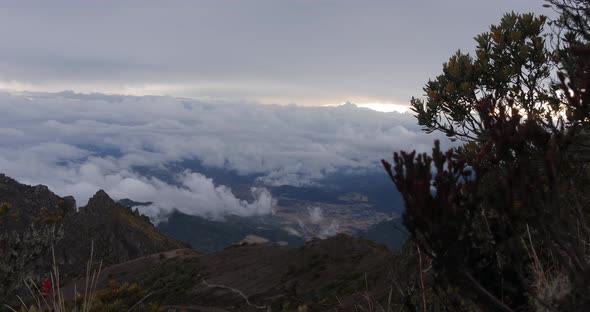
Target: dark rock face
[99,204]
[33,219]
[27,204]
[118,235]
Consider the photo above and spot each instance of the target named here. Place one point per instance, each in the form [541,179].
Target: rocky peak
[7,183]
[4,178]
[116,233]
[100,203]
[101,197]
[41,189]
[24,204]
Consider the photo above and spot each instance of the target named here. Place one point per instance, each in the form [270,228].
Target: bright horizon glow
[164,90]
[385,107]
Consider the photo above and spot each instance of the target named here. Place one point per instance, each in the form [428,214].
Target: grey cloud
[288,50]
[330,230]
[315,225]
[79,143]
[315,214]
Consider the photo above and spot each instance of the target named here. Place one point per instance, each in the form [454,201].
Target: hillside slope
[33,219]
[209,235]
[322,275]
[118,234]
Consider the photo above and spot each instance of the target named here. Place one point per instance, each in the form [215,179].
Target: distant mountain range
[210,235]
[362,204]
[374,184]
[207,235]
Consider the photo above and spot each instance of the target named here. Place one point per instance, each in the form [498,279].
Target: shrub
[504,217]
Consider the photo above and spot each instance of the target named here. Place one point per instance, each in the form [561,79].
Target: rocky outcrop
[116,233]
[22,205]
[33,219]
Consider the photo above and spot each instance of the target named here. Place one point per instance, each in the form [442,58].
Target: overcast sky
[229,57]
[306,52]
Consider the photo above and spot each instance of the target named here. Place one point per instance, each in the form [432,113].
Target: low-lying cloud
[77,144]
[315,215]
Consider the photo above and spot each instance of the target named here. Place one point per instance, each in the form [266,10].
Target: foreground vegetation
[504,218]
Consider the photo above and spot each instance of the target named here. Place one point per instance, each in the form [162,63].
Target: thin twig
[32,294]
[75,295]
[94,284]
[60,299]
[85,302]
[39,292]
[487,294]
[421,277]
[389,299]
[21,301]
[233,290]
[140,301]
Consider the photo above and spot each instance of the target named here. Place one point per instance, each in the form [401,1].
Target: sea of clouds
[80,143]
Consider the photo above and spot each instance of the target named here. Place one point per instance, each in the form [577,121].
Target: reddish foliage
[46,288]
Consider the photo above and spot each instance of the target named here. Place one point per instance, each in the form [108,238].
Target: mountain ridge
[39,229]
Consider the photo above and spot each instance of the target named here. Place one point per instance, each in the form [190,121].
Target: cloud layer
[77,144]
[278,51]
